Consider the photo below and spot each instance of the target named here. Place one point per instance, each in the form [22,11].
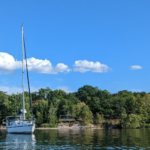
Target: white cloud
[84,65]
[62,68]
[45,66]
[134,67]
[8,65]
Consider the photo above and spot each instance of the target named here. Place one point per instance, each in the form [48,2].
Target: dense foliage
[88,103]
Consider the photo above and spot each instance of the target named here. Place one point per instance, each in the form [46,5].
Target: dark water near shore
[78,139]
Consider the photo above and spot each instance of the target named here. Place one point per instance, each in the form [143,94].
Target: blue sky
[75,43]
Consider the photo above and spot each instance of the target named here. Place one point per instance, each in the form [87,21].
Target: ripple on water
[118,147]
[82,140]
[108,147]
[132,147]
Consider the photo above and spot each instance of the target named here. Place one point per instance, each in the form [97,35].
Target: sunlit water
[78,139]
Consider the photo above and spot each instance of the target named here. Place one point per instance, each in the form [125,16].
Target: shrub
[100,118]
[96,123]
[46,125]
[52,125]
[141,125]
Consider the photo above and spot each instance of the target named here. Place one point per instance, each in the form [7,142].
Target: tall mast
[23,75]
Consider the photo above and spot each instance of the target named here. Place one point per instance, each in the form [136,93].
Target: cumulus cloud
[8,64]
[45,66]
[62,67]
[134,67]
[84,66]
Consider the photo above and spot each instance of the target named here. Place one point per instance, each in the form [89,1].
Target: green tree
[130,121]
[52,115]
[82,111]
[100,118]
[86,115]
[42,112]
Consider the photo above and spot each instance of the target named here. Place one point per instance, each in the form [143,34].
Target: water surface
[78,139]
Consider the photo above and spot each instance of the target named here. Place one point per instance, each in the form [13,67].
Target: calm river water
[78,139]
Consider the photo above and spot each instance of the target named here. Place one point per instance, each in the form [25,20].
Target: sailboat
[19,123]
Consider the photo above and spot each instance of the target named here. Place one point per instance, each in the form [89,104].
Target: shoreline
[73,127]
[66,128]
[61,128]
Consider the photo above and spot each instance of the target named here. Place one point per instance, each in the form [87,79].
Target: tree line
[89,104]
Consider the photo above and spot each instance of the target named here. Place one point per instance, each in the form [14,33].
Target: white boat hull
[28,129]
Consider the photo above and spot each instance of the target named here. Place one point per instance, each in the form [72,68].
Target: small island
[89,107]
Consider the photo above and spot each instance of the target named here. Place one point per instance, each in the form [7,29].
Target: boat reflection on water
[20,141]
